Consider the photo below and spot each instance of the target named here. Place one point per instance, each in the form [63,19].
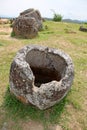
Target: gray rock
[27,24]
[83,29]
[41,76]
[25,27]
[34,14]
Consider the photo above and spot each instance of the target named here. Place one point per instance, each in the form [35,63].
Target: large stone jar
[25,27]
[34,14]
[41,76]
[27,24]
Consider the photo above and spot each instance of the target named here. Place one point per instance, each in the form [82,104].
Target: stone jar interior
[46,67]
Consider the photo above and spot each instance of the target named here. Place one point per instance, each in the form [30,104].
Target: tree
[57,17]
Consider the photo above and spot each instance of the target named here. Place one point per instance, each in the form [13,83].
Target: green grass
[1,44]
[17,111]
[12,34]
[71,112]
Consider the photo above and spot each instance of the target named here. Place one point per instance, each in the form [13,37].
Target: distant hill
[6,17]
[64,20]
[73,21]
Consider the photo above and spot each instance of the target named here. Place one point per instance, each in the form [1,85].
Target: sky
[73,9]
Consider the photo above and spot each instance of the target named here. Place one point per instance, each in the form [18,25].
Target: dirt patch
[55,127]
[32,125]
[74,126]
[73,123]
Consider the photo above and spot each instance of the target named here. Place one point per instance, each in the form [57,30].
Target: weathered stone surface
[25,27]
[34,14]
[83,29]
[41,76]
[28,24]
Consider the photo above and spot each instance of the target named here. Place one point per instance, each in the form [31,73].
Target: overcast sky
[74,9]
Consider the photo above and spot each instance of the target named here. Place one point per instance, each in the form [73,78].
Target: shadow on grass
[15,109]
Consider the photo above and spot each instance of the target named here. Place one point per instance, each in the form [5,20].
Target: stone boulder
[83,29]
[25,27]
[41,76]
[35,14]
[27,24]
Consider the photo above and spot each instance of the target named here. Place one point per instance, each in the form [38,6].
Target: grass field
[71,112]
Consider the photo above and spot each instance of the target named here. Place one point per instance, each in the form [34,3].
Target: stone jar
[25,27]
[34,14]
[41,76]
